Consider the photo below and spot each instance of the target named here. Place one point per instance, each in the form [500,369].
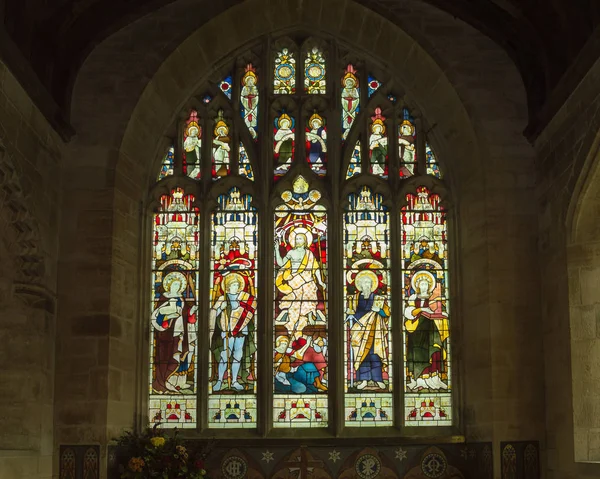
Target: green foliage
[154,454]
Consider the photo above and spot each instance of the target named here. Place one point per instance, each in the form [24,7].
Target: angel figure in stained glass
[316,138]
[426,324]
[378,144]
[232,320]
[284,139]
[406,144]
[192,145]
[368,315]
[350,100]
[221,147]
[174,320]
[249,100]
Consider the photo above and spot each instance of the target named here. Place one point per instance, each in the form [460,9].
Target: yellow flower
[202,472]
[136,464]
[158,441]
[181,450]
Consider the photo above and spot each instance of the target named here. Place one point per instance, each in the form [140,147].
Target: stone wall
[569,248]
[30,154]
[126,99]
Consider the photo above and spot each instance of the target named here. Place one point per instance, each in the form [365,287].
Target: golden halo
[284,116]
[220,124]
[172,277]
[412,127]
[378,122]
[232,277]
[349,75]
[192,124]
[427,276]
[365,273]
[315,116]
[299,230]
[249,73]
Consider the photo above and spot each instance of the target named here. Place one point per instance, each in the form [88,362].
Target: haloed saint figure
[368,318]
[232,320]
[174,322]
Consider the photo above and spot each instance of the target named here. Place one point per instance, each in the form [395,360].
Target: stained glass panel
[407,141]
[232,316]
[300,371]
[226,85]
[378,145]
[173,312]
[245,167]
[433,168]
[316,144]
[166,168]
[249,100]
[221,148]
[350,98]
[354,166]
[284,74]
[284,143]
[192,146]
[367,322]
[315,72]
[427,397]
[373,85]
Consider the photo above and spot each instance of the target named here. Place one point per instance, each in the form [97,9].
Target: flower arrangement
[153,454]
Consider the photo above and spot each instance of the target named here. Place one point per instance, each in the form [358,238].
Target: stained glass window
[426,310]
[174,312]
[284,73]
[390,314]
[221,148]
[226,85]
[284,143]
[232,315]
[192,146]
[433,168]
[367,319]
[245,167]
[407,142]
[301,377]
[354,166]
[315,72]
[350,98]
[378,145]
[316,144]
[373,85]
[166,168]
[249,100]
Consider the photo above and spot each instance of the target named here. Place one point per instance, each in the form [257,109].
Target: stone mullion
[204,306]
[421,157]
[265,259]
[335,286]
[178,150]
[397,316]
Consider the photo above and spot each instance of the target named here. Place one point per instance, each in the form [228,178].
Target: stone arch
[466,116]
[583,267]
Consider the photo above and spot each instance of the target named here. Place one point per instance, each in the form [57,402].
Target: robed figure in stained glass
[368,317]
[174,322]
[232,320]
[350,100]
[426,325]
[299,278]
[249,100]
[316,143]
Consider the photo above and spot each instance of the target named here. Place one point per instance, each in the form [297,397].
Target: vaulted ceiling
[543,37]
